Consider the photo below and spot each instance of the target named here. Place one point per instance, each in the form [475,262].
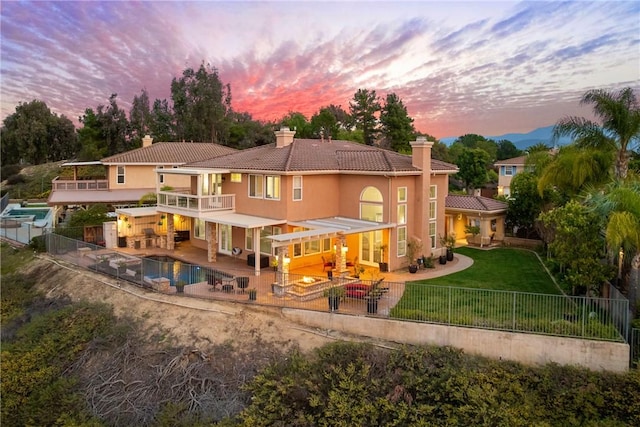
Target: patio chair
[243,282]
[326,264]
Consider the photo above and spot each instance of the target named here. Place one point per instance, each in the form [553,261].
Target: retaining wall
[525,348]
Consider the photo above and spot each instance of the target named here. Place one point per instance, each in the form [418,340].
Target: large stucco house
[301,200]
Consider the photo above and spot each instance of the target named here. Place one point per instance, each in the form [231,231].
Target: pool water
[38,213]
[175,270]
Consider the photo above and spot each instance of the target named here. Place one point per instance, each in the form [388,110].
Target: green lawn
[506,289]
[504,269]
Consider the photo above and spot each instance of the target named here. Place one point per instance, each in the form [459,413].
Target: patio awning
[83,197]
[242,220]
[136,212]
[327,227]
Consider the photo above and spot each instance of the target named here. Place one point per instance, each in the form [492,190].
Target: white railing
[194,202]
[83,184]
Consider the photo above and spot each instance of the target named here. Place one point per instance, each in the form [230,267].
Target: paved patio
[119,262]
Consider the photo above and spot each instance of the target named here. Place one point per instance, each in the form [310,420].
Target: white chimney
[147,141]
[284,137]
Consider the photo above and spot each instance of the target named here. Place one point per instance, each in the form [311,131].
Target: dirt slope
[193,322]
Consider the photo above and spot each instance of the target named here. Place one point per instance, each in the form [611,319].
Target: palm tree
[620,116]
[619,207]
[573,169]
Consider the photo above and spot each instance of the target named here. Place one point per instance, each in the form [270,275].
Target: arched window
[371,204]
[371,210]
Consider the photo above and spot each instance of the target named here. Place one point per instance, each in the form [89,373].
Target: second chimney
[147,141]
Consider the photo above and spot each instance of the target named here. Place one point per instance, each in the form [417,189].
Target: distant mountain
[522,140]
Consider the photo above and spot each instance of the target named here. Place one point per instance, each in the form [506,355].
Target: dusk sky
[460,67]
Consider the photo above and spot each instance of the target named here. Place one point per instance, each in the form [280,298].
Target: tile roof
[513,161]
[168,153]
[474,203]
[316,155]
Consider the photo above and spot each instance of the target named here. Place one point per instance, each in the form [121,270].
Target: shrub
[16,179]
[9,170]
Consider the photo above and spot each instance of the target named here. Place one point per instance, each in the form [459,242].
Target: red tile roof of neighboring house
[513,161]
[170,153]
[318,155]
[474,203]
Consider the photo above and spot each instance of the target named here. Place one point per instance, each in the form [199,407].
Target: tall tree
[473,168]
[619,113]
[92,145]
[35,135]
[572,169]
[297,121]
[201,103]
[324,124]
[140,117]
[363,108]
[114,127]
[507,150]
[573,234]
[525,204]
[396,125]
[162,121]
[619,209]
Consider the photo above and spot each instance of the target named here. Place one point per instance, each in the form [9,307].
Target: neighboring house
[486,213]
[130,175]
[302,200]
[507,169]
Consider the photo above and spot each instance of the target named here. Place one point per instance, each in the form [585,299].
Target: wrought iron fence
[581,317]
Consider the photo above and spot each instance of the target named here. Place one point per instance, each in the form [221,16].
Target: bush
[16,179]
[9,170]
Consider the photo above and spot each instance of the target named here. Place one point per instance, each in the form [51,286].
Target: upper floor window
[402,214]
[371,204]
[120,175]
[433,192]
[297,188]
[267,187]
[402,194]
[272,187]
[161,177]
[432,209]
[255,186]
[509,170]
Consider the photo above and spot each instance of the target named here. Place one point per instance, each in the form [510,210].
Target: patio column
[341,259]
[171,232]
[212,242]
[256,249]
[499,228]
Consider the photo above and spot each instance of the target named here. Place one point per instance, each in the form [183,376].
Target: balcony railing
[197,203]
[58,184]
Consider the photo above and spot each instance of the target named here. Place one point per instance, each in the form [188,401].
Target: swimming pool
[37,213]
[155,266]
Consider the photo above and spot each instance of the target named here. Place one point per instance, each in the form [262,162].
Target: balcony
[195,203]
[79,184]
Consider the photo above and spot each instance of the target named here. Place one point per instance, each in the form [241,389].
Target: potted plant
[334,294]
[253,294]
[274,264]
[383,265]
[472,230]
[180,284]
[413,248]
[442,259]
[449,242]
[358,270]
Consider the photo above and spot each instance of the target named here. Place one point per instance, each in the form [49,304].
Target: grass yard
[504,269]
[505,289]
